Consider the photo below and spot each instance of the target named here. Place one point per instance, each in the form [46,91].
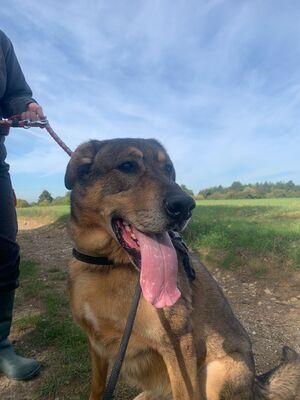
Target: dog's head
[125,190]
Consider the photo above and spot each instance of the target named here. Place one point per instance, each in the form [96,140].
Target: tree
[45,197]
[22,203]
[290,185]
[186,190]
[236,186]
[61,200]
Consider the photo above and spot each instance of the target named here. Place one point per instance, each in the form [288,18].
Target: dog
[186,343]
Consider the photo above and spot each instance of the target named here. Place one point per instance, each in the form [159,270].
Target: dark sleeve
[17,94]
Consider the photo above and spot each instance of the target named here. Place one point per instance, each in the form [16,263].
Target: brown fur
[196,349]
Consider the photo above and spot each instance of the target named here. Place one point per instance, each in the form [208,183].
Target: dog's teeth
[133,236]
[127,228]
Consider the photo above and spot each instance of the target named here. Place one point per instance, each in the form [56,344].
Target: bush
[22,203]
[44,203]
[61,200]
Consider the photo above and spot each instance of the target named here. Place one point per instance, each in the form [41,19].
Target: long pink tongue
[159,269]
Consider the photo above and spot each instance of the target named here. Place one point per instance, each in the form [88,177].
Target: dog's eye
[169,170]
[129,167]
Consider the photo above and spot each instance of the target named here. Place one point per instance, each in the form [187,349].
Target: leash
[115,372]
[58,139]
[116,369]
[16,122]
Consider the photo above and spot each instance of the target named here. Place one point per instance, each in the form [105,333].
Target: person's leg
[11,365]
[9,249]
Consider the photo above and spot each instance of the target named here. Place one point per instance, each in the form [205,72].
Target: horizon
[195,193]
[217,82]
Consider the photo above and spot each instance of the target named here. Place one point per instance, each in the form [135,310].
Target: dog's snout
[179,207]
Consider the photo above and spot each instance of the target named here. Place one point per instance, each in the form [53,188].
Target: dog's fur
[193,350]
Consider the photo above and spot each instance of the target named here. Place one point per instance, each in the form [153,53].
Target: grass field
[233,233]
[52,329]
[257,233]
[252,236]
[50,213]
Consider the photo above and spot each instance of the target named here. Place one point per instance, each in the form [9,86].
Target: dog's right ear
[81,161]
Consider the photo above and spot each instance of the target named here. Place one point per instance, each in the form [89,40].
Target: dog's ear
[81,161]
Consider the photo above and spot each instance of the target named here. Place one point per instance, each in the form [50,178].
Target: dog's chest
[105,339]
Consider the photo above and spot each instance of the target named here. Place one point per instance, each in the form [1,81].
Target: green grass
[257,232]
[257,235]
[53,331]
[243,232]
[29,274]
[51,213]
[28,270]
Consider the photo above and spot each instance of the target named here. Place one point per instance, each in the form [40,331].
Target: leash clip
[27,124]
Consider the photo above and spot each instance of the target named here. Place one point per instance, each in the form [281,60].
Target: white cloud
[217,82]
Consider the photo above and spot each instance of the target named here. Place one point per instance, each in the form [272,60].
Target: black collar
[91,259]
[177,241]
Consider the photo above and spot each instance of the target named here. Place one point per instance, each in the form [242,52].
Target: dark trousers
[9,249]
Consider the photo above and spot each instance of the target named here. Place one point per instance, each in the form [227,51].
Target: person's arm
[17,98]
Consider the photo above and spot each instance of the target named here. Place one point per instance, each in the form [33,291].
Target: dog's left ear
[81,161]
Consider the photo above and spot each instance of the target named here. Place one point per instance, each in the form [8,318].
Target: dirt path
[268,307]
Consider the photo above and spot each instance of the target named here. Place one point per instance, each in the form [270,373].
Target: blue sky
[217,82]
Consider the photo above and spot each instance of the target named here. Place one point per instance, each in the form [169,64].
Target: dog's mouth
[155,256]
[127,239]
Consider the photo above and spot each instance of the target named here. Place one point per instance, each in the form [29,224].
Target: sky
[216,82]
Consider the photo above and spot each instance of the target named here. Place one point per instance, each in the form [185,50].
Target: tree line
[46,199]
[236,190]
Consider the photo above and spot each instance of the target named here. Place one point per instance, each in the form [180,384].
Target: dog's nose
[179,207]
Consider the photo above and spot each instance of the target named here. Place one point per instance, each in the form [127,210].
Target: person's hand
[34,112]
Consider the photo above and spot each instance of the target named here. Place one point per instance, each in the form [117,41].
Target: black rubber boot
[12,365]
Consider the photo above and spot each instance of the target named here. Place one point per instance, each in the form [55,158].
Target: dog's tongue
[159,266]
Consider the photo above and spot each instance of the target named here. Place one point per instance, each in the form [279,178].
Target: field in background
[257,233]
[47,213]
[247,244]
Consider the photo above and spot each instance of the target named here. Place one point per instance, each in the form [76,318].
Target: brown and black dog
[186,343]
